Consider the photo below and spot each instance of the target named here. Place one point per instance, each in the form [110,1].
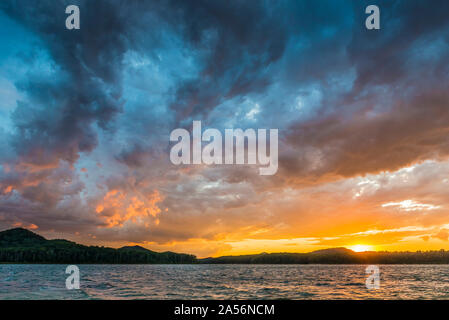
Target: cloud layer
[85,119]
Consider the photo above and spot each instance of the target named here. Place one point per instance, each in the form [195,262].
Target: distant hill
[326,256]
[23,246]
[336,256]
[19,237]
[138,248]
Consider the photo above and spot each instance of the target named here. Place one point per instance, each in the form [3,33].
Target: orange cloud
[117,207]
[8,189]
[31,226]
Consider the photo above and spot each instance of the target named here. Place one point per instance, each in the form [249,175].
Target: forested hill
[337,256]
[23,246]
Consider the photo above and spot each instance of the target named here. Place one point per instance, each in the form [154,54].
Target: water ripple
[224,282]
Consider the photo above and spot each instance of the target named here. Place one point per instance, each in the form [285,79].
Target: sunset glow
[361,248]
[360,117]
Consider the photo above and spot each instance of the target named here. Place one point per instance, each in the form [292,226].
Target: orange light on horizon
[361,248]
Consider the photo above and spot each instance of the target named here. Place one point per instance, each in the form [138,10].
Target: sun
[361,248]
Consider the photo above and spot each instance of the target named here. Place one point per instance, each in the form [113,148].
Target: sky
[363,120]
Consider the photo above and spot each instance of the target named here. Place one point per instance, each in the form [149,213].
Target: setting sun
[361,248]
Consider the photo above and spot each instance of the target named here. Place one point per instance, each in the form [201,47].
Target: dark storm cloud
[383,102]
[380,58]
[243,37]
[414,130]
[396,111]
[240,38]
[57,121]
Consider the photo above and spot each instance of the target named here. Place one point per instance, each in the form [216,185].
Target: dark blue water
[224,282]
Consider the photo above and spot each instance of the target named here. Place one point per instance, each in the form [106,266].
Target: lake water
[224,282]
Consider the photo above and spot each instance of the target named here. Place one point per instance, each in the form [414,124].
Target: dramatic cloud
[85,119]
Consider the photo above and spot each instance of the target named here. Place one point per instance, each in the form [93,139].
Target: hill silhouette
[325,256]
[337,256]
[19,236]
[23,246]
